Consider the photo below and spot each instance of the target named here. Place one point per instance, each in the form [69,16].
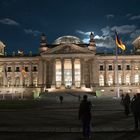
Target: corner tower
[2,46]
[43,44]
[92,46]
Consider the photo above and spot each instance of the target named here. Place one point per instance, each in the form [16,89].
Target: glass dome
[68,40]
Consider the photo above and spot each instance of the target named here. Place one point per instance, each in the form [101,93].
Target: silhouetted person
[122,98]
[61,99]
[126,103]
[79,98]
[85,115]
[135,104]
[132,104]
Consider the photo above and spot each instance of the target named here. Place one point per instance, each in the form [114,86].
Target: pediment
[68,49]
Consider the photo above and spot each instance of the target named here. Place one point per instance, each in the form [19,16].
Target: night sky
[22,22]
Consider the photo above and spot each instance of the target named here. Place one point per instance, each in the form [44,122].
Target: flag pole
[117,90]
[122,46]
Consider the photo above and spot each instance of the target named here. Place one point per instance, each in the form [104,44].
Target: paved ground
[52,120]
[69,136]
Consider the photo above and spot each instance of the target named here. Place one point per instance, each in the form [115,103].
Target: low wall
[18,92]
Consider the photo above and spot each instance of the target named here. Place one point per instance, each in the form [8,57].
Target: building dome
[68,40]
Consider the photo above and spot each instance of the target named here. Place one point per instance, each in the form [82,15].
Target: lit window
[120,79]
[136,67]
[101,80]
[136,78]
[58,73]
[110,80]
[35,81]
[68,73]
[26,81]
[77,72]
[17,81]
[128,79]
[9,81]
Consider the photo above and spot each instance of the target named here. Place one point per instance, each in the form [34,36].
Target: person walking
[61,99]
[79,98]
[126,104]
[135,104]
[122,98]
[85,116]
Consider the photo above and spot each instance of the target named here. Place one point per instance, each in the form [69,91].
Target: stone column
[106,69]
[54,74]
[62,69]
[73,73]
[21,75]
[82,61]
[91,76]
[13,74]
[30,72]
[116,72]
[5,79]
[90,69]
[44,74]
[132,73]
[123,74]
[41,73]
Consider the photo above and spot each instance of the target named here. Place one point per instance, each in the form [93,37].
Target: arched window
[127,79]
[35,81]
[17,81]
[26,81]
[9,81]
[120,79]
[136,79]
[110,80]
[101,80]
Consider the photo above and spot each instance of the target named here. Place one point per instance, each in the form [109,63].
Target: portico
[67,73]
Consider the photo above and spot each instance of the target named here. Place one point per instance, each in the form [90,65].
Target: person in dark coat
[135,104]
[132,104]
[122,98]
[79,98]
[61,99]
[126,103]
[85,115]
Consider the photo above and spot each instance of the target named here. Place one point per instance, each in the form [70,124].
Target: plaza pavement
[52,120]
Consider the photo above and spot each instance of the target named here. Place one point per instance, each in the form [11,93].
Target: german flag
[119,42]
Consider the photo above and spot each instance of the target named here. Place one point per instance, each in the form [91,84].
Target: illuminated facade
[68,63]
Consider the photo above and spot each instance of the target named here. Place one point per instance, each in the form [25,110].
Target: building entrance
[68,73]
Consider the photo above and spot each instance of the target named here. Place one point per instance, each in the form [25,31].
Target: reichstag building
[69,64]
